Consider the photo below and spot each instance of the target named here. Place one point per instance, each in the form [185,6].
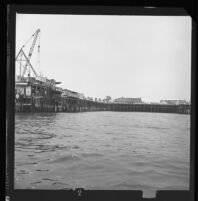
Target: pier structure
[72,104]
[182,109]
[40,94]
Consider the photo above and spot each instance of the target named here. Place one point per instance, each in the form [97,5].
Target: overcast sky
[130,56]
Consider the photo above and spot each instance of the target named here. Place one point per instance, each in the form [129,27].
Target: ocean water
[102,150]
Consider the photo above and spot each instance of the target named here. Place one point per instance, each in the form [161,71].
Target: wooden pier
[182,109]
[71,104]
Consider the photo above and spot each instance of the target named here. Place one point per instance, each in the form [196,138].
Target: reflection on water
[102,150]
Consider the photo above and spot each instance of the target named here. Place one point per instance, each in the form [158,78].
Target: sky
[101,55]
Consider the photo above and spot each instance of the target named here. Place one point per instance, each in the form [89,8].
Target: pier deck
[70,104]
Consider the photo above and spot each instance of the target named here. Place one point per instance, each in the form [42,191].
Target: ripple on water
[104,150]
[90,155]
[64,158]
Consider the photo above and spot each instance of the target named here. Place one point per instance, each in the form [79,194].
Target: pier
[71,104]
[40,94]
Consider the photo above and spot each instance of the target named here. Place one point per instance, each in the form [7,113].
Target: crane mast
[27,58]
[31,51]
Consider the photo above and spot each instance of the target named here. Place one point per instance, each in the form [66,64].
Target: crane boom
[31,51]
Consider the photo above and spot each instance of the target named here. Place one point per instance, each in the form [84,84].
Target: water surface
[102,150]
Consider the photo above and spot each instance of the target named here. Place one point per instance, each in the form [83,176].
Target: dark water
[102,150]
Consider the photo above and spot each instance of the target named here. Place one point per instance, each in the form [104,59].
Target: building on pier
[154,103]
[34,94]
[73,94]
[90,98]
[174,102]
[128,100]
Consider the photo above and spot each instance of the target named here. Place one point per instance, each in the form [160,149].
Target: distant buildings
[107,99]
[174,102]
[128,100]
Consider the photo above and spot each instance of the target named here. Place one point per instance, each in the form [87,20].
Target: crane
[27,58]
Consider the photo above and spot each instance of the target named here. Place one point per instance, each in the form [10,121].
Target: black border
[3,92]
[86,195]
